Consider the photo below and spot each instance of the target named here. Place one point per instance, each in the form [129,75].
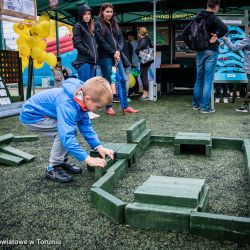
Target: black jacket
[84,42]
[108,39]
[213,25]
[143,43]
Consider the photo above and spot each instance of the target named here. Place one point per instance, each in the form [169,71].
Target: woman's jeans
[106,66]
[144,75]
[206,62]
[86,71]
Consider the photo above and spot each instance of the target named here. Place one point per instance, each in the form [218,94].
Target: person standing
[206,59]
[110,46]
[85,43]
[245,46]
[144,42]
[57,73]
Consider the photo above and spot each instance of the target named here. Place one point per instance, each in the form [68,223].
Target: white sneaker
[93,115]
[225,100]
[217,100]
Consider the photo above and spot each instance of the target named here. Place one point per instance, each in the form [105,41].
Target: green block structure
[162,140]
[203,139]
[221,227]
[108,204]
[25,138]
[153,216]
[99,172]
[106,182]
[246,147]
[6,139]
[120,167]
[135,130]
[227,143]
[16,152]
[204,201]
[10,160]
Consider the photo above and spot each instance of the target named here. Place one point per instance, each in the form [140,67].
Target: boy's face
[93,106]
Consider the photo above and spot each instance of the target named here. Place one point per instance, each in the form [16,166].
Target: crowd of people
[60,112]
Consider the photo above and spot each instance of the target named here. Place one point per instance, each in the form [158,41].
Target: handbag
[146,55]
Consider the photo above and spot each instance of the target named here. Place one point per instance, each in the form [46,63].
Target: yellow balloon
[45,25]
[42,44]
[44,33]
[21,30]
[38,64]
[33,42]
[24,50]
[36,53]
[51,59]
[43,17]
[21,40]
[35,30]
[132,81]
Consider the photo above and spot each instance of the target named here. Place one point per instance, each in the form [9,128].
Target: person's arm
[102,41]
[141,45]
[185,35]
[220,27]
[236,47]
[120,41]
[77,40]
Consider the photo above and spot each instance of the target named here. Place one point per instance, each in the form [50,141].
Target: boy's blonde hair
[98,88]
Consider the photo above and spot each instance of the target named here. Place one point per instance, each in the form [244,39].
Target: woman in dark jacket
[85,43]
[144,43]
[110,46]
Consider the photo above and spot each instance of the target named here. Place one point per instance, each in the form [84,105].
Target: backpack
[199,37]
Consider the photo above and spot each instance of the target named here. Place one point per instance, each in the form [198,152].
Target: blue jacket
[59,104]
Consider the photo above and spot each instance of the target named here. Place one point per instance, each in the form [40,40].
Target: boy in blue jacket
[58,113]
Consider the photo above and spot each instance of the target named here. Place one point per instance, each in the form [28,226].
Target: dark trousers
[144,75]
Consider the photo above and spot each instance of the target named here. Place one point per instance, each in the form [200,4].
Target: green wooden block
[135,130]
[177,149]
[192,138]
[99,172]
[221,227]
[10,160]
[16,152]
[209,149]
[108,204]
[152,216]
[110,145]
[126,151]
[6,139]
[24,138]
[120,168]
[203,204]
[173,197]
[227,143]
[162,140]
[106,182]
[144,135]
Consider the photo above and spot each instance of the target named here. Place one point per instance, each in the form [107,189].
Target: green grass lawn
[33,208]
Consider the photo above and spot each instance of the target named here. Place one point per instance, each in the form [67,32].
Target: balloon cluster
[32,42]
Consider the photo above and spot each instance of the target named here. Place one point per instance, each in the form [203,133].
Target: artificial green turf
[33,208]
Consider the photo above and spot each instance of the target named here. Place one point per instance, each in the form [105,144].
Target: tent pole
[154,70]
[57,36]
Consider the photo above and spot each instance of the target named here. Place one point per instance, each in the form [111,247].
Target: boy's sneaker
[58,174]
[243,108]
[196,108]
[225,100]
[70,168]
[207,111]
[217,100]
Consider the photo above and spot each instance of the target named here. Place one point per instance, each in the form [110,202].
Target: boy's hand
[95,162]
[105,151]
[214,38]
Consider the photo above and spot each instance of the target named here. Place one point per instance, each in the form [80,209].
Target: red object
[110,111]
[130,110]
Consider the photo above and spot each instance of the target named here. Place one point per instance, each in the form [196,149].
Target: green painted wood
[162,140]
[126,151]
[25,138]
[209,149]
[110,145]
[143,142]
[108,204]
[246,147]
[204,201]
[173,197]
[227,143]
[192,138]
[99,172]
[16,152]
[152,216]
[135,130]
[10,160]
[177,149]
[221,227]
[106,182]
[120,168]
[6,139]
